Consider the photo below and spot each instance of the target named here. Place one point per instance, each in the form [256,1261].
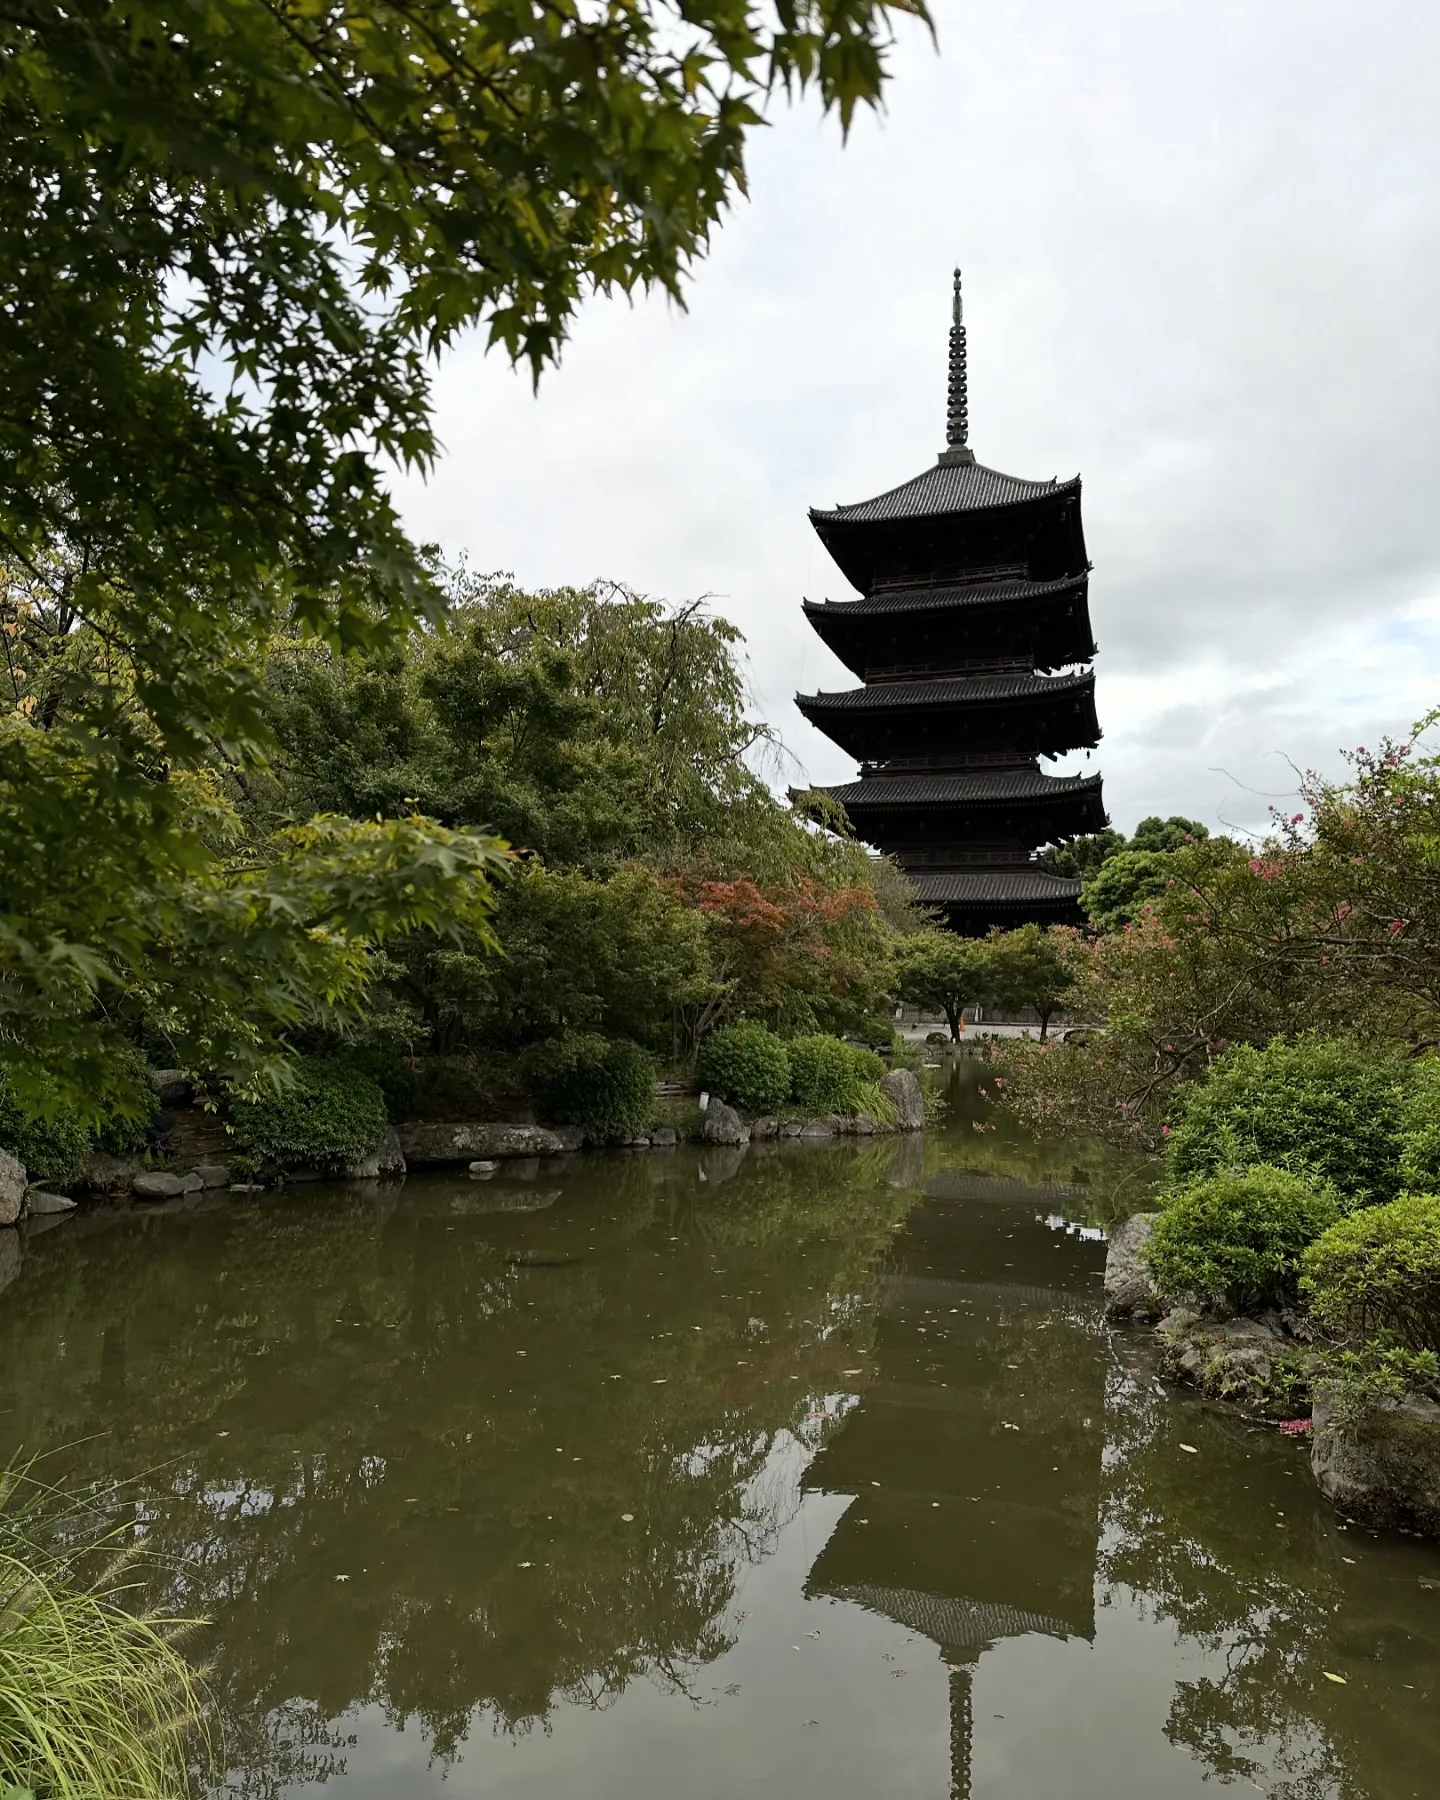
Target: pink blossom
[1295,1427]
[1165,1131]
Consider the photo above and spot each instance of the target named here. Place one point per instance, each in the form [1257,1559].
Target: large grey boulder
[12,1187]
[159,1184]
[766,1126]
[40,1205]
[173,1087]
[1381,1465]
[212,1175]
[723,1125]
[428,1143]
[1228,1359]
[817,1131]
[102,1173]
[1129,1290]
[903,1090]
[387,1158]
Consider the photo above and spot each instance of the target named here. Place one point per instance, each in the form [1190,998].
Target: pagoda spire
[957,413]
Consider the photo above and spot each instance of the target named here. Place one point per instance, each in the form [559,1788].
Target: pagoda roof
[961,787]
[961,690]
[948,487]
[943,597]
[992,887]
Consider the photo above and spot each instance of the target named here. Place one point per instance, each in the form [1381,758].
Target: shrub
[605,1084]
[827,1074]
[1305,1103]
[123,1132]
[51,1149]
[1420,1141]
[747,1065]
[1235,1238]
[327,1117]
[1376,1274]
[937,1037]
[387,1067]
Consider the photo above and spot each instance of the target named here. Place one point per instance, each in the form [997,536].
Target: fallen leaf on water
[1349,1559]
[813,1634]
[743,1615]
[1189,1449]
[852,1371]
[527,1565]
[627,1518]
[1008,1426]
[895,1674]
[342,1577]
[1340,1679]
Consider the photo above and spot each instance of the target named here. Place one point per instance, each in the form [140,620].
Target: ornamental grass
[98,1700]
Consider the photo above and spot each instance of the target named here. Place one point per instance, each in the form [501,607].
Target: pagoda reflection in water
[968,638]
[975,1452]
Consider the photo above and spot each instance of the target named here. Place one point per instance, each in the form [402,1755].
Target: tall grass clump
[97,1699]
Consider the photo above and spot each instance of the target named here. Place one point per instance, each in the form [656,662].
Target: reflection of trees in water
[1183,1534]
[347,1386]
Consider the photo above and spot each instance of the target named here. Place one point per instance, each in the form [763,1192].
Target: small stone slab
[429,1143]
[212,1175]
[41,1205]
[173,1087]
[160,1184]
[663,1138]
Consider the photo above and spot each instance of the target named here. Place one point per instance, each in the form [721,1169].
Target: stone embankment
[1378,1463]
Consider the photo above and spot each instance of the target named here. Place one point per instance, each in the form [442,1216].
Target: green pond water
[796,1471]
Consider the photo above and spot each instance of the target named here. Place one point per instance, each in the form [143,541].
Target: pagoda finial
[957,417]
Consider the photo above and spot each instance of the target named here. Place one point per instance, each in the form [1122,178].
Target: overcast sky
[1201,248]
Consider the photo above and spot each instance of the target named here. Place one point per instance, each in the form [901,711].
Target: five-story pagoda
[973,594]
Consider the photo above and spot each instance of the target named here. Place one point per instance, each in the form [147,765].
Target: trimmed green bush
[327,1117]
[1235,1238]
[1306,1103]
[605,1084]
[51,1149]
[122,1134]
[387,1068]
[747,1065]
[1420,1142]
[1376,1274]
[827,1075]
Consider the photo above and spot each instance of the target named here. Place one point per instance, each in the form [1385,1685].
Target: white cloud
[1202,256]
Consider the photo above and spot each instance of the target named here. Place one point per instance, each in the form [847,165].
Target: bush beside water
[51,1149]
[1376,1275]
[747,1065]
[827,1074]
[329,1116]
[606,1085]
[1235,1238]
[1308,1103]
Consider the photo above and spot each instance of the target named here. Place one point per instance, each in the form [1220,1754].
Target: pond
[807,1470]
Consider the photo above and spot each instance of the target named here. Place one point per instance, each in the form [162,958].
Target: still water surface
[802,1471]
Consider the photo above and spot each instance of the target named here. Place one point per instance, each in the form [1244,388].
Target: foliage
[1420,1139]
[1120,890]
[1309,1103]
[97,1701]
[1033,967]
[235,240]
[1376,1274]
[52,1148]
[385,1065]
[1357,1379]
[827,1075]
[605,1084]
[939,972]
[324,1115]
[1084,857]
[747,1064]
[1235,1237]
[116,906]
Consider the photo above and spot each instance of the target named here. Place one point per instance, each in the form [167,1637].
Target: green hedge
[327,1117]
[1235,1238]
[1420,1142]
[51,1149]
[827,1075]
[1306,1103]
[1376,1274]
[747,1065]
[606,1085]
